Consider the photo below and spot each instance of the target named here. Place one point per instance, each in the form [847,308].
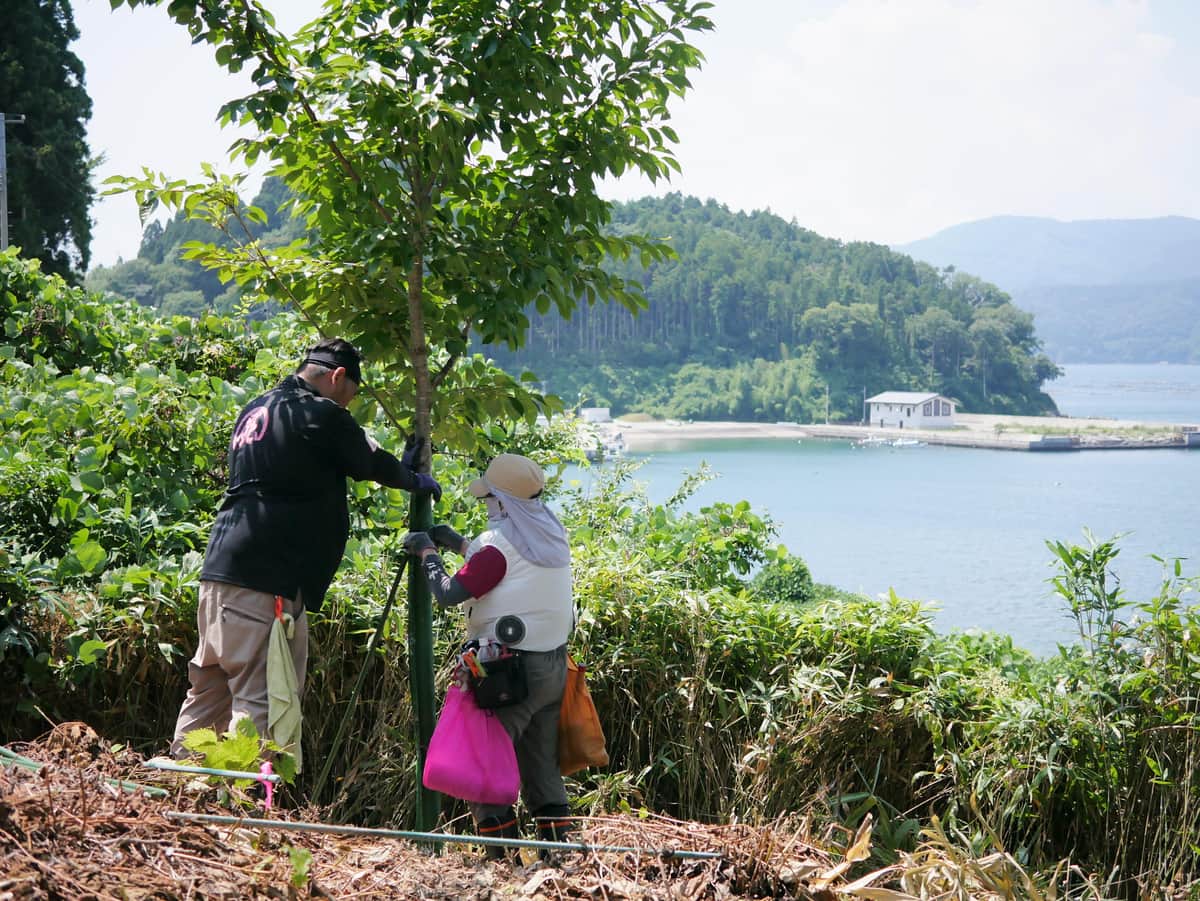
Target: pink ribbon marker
[268,784]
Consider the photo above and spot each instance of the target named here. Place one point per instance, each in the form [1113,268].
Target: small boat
[880,441]
[611,447]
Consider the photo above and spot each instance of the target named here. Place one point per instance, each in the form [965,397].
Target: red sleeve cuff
[483,571]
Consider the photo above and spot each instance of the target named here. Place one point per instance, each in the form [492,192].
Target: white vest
[537,596]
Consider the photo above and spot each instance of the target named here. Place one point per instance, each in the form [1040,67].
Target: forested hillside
[757,319]
[1104,291]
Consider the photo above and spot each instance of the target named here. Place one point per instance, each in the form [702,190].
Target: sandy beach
[972,430]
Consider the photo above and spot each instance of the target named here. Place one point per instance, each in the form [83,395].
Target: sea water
[1147,392]
[965,529]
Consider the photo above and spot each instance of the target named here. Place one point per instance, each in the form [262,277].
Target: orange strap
[278,607]
[484,830]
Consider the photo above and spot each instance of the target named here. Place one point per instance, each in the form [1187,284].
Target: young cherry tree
[446,156]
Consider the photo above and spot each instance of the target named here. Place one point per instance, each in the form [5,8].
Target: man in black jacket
[281,531]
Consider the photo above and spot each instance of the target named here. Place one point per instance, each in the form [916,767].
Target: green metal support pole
[420,659]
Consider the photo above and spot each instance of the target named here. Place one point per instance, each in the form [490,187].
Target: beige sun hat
[512,474]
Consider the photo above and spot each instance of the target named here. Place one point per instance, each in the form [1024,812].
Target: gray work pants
[228,673]
[533,727]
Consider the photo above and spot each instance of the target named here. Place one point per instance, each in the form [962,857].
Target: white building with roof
[910,410]
[595,414]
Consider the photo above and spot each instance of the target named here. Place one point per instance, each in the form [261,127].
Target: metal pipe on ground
[17,760]
[436,837]
[155,763]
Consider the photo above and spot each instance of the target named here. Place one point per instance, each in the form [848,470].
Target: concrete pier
[1023,433]
[1029,433]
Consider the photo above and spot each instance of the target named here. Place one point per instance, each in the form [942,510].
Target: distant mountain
[1016,252]
[1141,323]
[1107,290]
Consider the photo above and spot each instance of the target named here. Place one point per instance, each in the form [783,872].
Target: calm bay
[965,529]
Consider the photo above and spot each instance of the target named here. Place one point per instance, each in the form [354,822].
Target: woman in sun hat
[515,589]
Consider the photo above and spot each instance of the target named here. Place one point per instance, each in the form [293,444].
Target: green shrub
[787,580]
[29,514]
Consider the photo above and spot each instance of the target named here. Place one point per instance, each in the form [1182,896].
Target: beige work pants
[228,673]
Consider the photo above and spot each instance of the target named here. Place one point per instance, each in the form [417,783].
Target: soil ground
[67,832]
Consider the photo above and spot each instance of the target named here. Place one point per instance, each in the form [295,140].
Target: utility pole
[4,121]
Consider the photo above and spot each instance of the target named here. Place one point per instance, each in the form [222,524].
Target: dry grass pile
[68,832]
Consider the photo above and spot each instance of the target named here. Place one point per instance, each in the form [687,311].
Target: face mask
[494,508]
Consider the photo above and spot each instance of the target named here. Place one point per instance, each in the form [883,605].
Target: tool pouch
[504,683]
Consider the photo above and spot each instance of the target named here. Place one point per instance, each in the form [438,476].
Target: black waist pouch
[504,684]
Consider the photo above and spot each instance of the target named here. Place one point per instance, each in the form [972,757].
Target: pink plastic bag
[470,755]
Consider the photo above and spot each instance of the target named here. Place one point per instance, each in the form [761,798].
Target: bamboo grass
[362,674]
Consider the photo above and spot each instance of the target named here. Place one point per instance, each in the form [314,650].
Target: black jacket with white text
[283,524]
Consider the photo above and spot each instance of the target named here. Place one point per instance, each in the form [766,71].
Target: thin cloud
[881,120]
[887,121]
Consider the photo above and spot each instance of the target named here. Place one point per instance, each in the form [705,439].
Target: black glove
[412,452]
[427,484]
[416,542]
[444,536]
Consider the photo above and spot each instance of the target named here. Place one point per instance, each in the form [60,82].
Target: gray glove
[427,484]
[416,542]
[445,537]
[412,452]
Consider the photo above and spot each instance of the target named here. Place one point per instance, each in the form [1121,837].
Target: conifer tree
[49,192]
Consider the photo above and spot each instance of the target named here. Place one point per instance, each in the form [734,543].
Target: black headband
[331,360]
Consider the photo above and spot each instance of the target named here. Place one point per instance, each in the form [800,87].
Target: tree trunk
[420,519]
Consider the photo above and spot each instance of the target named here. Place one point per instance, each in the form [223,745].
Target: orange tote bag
[580,738]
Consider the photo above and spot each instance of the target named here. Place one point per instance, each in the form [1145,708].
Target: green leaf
[91,481]
[301,861]
[285,766]
[88,458]
[238,752]
[200,740]
[91,651]
[90,555]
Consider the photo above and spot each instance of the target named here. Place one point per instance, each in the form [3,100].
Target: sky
[875,120]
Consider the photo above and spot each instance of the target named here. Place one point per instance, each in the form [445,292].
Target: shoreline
[996,432]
